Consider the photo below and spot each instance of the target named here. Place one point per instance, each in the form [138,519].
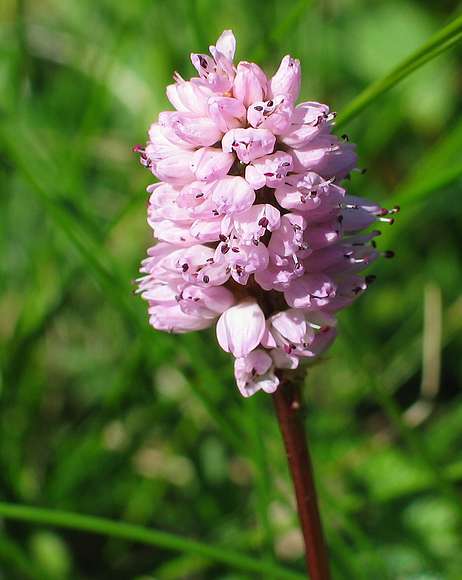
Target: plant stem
[287,403]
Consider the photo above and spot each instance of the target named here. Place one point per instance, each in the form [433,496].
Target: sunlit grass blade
[143,535]
[440,42]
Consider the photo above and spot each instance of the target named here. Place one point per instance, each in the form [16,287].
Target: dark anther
[225,249]
[270,103]
[206,279]
[185,267]
[235,250]
[268,174]
[285,164]
[222,238]
[258,108]
[198,195]
[202,61]
[263,222]
[340,219]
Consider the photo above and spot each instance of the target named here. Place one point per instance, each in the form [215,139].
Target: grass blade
[443,40]
[143,535]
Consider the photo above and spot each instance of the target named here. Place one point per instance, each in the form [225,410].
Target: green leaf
[440,42]
[143,535]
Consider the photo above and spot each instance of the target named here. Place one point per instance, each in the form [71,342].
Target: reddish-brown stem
[288,409]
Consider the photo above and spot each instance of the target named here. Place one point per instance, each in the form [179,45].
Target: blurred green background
[101,415]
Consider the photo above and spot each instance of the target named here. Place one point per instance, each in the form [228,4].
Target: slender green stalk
[288,407]
[440,42]
[143,535]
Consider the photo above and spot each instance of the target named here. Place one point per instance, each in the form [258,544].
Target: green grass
[126,453]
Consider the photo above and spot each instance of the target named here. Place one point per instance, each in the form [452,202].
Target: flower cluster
[253,226]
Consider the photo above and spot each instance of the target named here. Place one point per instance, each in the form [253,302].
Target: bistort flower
[255,230]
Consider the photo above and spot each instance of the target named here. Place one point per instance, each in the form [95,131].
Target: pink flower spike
[241,327]
[249,144]
[249,210]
